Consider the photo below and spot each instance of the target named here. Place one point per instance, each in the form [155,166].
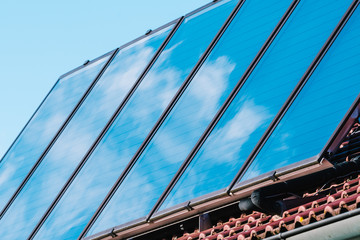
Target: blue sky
[41,40]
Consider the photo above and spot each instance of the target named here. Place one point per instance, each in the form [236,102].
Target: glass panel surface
[191,115]
[261,97]
[132,125]
[43,127]
[319,108]
[78,136]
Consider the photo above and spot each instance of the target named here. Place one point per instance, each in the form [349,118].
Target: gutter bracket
[112,233]
[273,177]
[188,207]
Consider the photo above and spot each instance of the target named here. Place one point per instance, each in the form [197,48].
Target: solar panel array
[227,93]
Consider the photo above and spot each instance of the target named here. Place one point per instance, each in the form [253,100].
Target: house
[169,135]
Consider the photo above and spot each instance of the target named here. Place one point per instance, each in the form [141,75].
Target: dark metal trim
[52,142]
[294,94]
[160,120]
[205,7]
[181,206]
[114,230]
[312,161]
[341,131]
[122,47]
[86,63]
[224,107]
[103,132]
[243,185]
[177,222]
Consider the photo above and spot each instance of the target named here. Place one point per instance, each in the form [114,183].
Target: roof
[330,203]
[229,101]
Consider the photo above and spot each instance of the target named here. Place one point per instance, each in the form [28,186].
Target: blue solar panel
[193,112]
[319,108]
[43,127]
[76,139]
[132,125]
[259,100]
[235,89]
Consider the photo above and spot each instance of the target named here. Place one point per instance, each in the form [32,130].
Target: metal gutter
[326,228]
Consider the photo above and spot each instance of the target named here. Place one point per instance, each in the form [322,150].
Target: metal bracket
[188,207]
[112,234]
[274,177]
[328,155]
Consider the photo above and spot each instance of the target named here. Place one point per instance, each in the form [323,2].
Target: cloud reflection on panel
[161,83]
[148,177]
[43,126]
[267,88]
[313,116]
[226,143]
[192,113]
[79,135]
[121,142]
[196,109]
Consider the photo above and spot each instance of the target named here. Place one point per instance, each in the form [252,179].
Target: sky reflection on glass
[319,108]
[160,85]
[127,132]
[43,126]
[78,136]
[262,96]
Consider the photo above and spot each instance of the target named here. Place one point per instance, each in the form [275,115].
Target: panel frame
[341,131]
[63,126]
[307,163]
[85,64]
[111,231]
[316,163]
[310,165]
[177,23]
[154,214]
[316,160]
[47,95]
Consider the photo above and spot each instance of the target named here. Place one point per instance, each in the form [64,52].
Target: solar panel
[196,33]
[193,112]
[223,96]
[319,107]
[43,126]
[133,124]
[78,136]
[259,100]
